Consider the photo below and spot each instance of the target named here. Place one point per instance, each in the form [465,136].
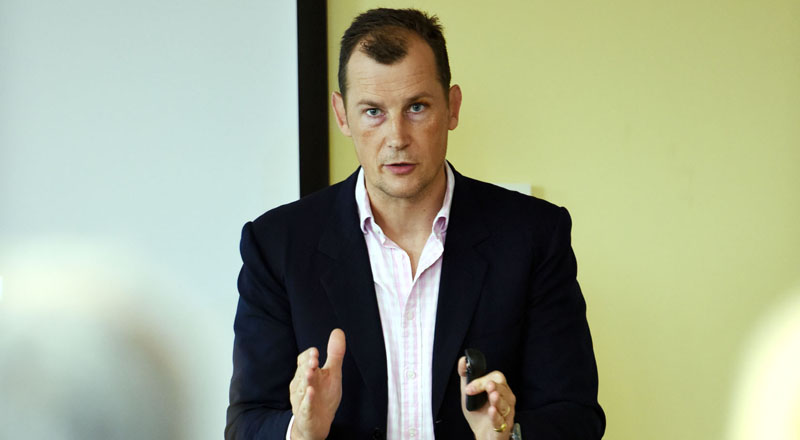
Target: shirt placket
[411,364]
[409,338]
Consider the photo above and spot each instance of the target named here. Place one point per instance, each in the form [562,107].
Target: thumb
[336,349]
[462,371]
[462,366]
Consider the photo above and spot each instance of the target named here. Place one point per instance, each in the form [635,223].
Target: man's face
[398,117]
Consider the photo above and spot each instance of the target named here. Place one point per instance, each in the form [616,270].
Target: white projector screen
[135,140]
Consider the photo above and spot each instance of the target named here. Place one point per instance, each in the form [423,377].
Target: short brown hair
[382,37]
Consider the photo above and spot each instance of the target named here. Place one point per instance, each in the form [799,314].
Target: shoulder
[504,209]
[306,218]
[306,209]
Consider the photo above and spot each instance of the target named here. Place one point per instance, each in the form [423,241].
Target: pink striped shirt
[407,307]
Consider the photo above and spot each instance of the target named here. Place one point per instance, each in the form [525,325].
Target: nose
[398,136]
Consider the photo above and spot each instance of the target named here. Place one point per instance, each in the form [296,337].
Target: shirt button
[411,374]
[412,432]
[409,315]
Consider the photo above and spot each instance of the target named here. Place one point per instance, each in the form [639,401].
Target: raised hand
[315,392]
[495,420]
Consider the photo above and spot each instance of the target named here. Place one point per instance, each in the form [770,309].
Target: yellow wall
[671,130]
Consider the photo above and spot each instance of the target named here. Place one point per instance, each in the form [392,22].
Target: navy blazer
[508,287]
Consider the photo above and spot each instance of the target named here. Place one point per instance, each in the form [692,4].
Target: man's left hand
[497,414]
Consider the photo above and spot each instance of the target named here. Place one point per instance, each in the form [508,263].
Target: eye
[417,107]
[373,112]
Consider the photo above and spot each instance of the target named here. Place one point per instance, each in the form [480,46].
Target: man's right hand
[315,392]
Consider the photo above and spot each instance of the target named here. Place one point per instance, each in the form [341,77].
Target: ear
[337,102]
[455,106]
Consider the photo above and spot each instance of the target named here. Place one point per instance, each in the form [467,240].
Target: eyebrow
[367,103]
[370,103]
[420,96]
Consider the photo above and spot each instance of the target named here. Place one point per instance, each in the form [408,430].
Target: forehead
[412,75]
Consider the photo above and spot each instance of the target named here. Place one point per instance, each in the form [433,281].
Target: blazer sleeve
[264,349]
[558,399]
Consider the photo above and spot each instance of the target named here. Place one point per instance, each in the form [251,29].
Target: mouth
[400,168]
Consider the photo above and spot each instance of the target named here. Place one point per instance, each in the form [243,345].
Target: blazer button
[377,434]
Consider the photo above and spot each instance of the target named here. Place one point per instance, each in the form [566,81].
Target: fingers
[501,399]
[304,357]
[336,348]
[307,376]
[307,362]
[503,393]
[478,385]
[496,417]
[502,403]
[498,412]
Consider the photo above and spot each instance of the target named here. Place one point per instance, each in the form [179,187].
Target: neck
[402,219]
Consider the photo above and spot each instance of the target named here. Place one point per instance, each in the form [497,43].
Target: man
[395,271]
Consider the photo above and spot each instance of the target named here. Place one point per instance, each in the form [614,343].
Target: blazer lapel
[463,271]
[349,285]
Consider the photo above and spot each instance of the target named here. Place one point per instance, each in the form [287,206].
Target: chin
[401,194]
[404,191]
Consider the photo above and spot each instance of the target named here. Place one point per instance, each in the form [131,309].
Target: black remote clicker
[476,367]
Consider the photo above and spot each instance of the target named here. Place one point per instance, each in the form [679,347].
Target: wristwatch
[516,433]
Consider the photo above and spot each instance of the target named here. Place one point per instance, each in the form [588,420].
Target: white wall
[135,140]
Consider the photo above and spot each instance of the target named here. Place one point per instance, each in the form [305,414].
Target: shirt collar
[440,222]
